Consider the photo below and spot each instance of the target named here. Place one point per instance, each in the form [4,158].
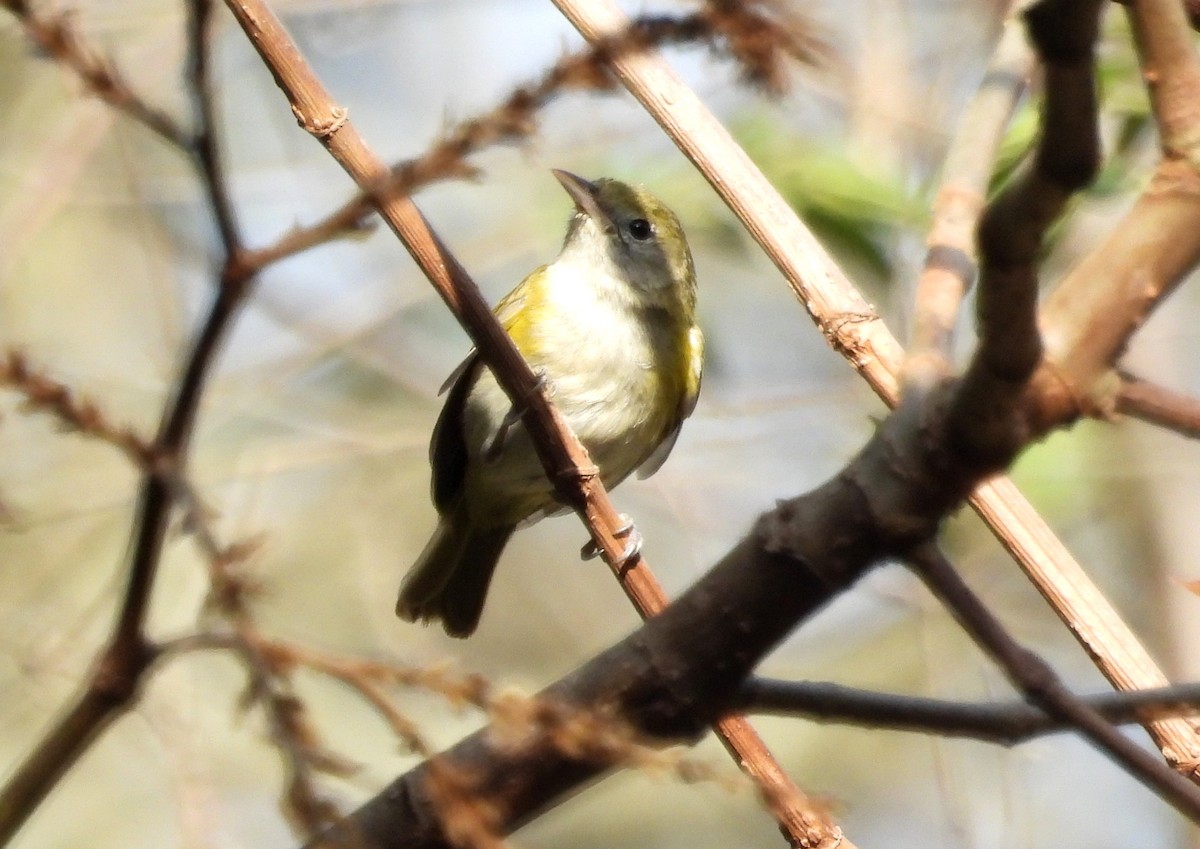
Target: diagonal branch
[1097,307]
[58,37]
[1158,405]
[1043,687]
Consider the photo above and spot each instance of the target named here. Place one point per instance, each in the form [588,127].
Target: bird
[611,328]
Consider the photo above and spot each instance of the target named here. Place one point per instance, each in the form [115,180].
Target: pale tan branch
[1095,310]
[950,264]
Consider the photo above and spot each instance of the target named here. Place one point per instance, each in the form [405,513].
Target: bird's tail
[450,579]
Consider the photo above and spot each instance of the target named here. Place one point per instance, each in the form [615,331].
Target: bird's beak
[586,196]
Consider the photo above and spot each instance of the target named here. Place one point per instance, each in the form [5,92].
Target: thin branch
[950,265]
[209,162]
[43,393]
[1158,405]
[1005,723]
[116,678]
[513,715]
[1030,674]
[59,38]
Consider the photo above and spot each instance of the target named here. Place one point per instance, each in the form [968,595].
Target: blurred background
[315,426]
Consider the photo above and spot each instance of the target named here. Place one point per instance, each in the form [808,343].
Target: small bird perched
[611,325]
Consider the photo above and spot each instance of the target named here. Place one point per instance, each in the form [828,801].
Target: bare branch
[211,167]
[1097,307]
[950,264]
[1033,677]
[58,37]
[1005,723]
[854,329]
[43,393]
[1159,405]
[121,665]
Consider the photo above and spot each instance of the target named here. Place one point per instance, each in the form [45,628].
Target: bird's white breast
[603,368]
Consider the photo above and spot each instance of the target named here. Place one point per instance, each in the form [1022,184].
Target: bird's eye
[640,229]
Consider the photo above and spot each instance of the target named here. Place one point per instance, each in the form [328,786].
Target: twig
[1030,674]
[58,37]
[204,146]
[45,394]
[1158,405]
[1006,723]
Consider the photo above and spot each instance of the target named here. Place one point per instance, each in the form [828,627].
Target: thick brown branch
[987,418]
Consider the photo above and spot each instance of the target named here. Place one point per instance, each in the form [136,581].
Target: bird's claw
[633,547]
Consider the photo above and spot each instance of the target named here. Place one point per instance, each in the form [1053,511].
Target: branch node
[322,128]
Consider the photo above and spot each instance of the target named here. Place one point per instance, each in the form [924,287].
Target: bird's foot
[633,545]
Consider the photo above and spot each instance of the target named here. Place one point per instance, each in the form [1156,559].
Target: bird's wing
[687,403]
[447,446]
